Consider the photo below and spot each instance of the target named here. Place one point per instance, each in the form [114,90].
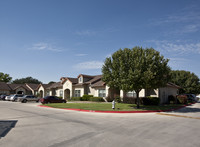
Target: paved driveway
[23,125]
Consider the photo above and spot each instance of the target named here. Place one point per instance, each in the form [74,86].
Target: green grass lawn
[108,106]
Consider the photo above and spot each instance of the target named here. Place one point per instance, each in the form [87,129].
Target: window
[80,80]
[102,93]
[48,93]
[61,93]
[77,93]
[131,94]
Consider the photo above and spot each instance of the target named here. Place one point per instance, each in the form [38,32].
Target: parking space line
[178,115]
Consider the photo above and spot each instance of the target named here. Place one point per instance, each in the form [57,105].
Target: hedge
[182,99]
[152,101]
[76,98]
[86,97]
[143,100]
[96,99]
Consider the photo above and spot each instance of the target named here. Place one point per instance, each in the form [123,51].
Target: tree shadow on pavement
[6,126]
[187,110]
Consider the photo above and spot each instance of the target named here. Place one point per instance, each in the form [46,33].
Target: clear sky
[49,39]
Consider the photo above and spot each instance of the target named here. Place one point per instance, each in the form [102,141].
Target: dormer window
[80,80]
[62,80]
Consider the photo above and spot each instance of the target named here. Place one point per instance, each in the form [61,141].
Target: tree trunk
[138,100]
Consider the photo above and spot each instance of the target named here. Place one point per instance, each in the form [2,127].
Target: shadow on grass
[6,126]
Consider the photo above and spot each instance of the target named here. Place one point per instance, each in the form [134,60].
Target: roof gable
[16,86]
[4,86]
[45,86]
[72,80]
[32,86]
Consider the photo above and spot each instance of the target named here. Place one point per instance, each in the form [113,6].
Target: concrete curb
[98,111]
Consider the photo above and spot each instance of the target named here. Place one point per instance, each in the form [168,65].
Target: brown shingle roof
[98,84]
[95,79]
[55,85]
[86,76]
[4,86]
[43,85]
[73,80]
[15,86]
[32,86]
[46,85]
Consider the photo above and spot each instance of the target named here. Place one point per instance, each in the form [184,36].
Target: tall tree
[189,82]
[136,69]
[26,80]
[5,77]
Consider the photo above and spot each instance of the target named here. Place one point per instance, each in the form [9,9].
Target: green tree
[26,80]
[189,82]
[5,77]
[136,69]
[51,82]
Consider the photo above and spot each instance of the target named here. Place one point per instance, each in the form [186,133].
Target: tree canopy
[189,82]
[26,80]
[136,69]
[51,82]
[5,77]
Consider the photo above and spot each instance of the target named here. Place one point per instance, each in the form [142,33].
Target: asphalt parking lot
[23,125]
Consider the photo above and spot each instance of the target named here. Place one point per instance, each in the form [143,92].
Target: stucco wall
[67,85]
[142,93]
[79,88]
[42,89]
[96,90]
[58,92]
[91,91]
[165,92]
[107,90]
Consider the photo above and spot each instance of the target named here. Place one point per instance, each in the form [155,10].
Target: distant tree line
[26,80]
[6,78]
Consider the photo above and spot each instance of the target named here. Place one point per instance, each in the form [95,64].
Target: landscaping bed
[118,106]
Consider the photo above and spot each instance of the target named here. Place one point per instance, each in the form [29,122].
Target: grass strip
[108,106]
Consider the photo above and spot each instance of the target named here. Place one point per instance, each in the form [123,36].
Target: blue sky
[49,39]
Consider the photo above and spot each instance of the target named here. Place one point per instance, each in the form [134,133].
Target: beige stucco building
[83,84]
[93,85]
[26,89]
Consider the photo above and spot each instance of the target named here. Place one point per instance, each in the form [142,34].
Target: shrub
[60,97]
[132,100]
[146,101]
[150,100]
[96,99]
[129,100]
[154,100]
[76,98]
[182,99]
[118,99]
[86,97]
[109,99]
